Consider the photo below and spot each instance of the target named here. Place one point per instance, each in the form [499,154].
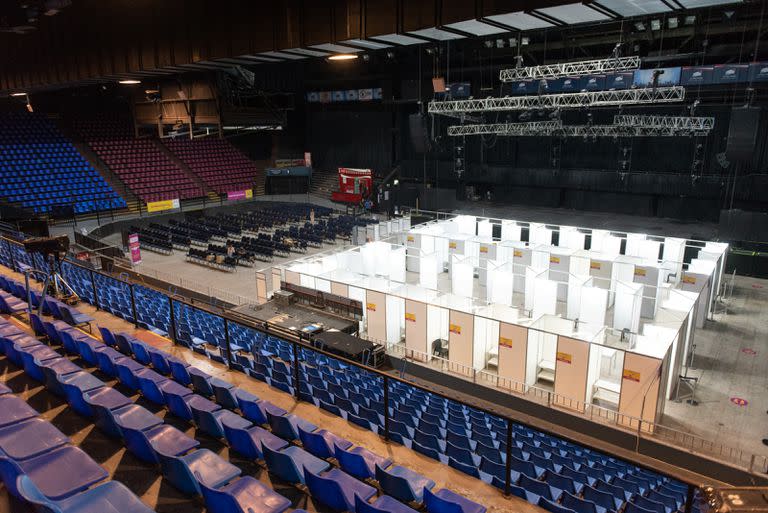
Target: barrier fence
[122,298]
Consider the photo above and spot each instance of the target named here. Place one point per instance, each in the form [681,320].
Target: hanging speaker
[742,134]
[418,130]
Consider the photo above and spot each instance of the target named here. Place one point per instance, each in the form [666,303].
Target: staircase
[324,183]
[133,202]
[198,181]
[260,183]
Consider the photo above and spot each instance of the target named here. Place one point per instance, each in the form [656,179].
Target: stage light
[129,82]
[690,20]
[525,40]
[655,24]
[640,26]
[18,94]
[673,22]
[342,57]
[396,182]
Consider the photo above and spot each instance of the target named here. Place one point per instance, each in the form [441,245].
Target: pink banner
[238,195]
[135,247]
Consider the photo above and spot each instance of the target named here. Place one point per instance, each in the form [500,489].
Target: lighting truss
[561,100]
[683,123]
[532,128]
[564,69]
[555,129]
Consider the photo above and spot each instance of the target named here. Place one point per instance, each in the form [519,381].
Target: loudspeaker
[742,134]
[418,130]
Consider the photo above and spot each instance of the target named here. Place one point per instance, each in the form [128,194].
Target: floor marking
[749,351]
[738,401]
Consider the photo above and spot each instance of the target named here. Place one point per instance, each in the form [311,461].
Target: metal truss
[534,127]
[564,69]
[561,100]
[682,123]
[555,129]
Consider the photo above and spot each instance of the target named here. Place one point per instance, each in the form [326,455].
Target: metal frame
[515,130]
[535,128]
[571,68]
[560,100]
[672,122]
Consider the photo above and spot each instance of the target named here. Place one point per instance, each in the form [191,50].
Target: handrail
[757,463]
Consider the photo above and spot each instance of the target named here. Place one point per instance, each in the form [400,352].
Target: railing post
[95,295]
[172,320]
[133,305]
[508,474]
[689,499]
[386,408]
[296,391]
[226,342]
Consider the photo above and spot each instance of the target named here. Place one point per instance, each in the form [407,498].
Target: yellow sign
[158,206]
[410,317]
[554,260]
[564,357]
[517,253]
[639,271]
[410,238]
[691,280]
[371,307]
[631,375]
[452,245]
[483,249]
[504,341]
[454,328]
[595,265]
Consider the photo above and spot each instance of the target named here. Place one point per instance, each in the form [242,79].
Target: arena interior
[438,256]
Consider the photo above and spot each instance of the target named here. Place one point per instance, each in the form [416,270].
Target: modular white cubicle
[610,326]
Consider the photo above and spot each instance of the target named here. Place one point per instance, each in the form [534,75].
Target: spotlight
[500,43]
[690,20]
[396,182]
[343,57]
[673,22]
[488,43]
[640,26]
[390,54]
[18,94]
[525,41]
[655,24]
[129,82]
[512,42]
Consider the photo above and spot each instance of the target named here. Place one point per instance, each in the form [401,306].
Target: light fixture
[673,22]
[396,182]
[488,43]
[129,82]
[690,19]
[18,94]
[342,57]
[640,26]
[525,40]
[500,43]
[655,24]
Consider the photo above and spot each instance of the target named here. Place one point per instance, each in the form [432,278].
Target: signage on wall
[159,206]
[505,342]
[564,357]
[639,271]
[410,238]
[238,195]
[483,249]
[371,307]
[554,260]
[454,328]
[452,245]
[631,375]
[691,280]
[410,317]
[517,253]
[595,265]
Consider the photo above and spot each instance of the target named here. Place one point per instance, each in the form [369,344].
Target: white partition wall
[571,366]
[395,318]
[416,328]
[376,310]
[485,228]
[413,245]
[437,326]
[510,231]
[672,259]
[544,297]
[575,286]
[626,307]
[467,225]
[485,343]
[428,270]
[461,340]
[539,234]
[513,355]
[397,264]
[571,237]
[594,304]
[639,389]
[462,273]
[500,283]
